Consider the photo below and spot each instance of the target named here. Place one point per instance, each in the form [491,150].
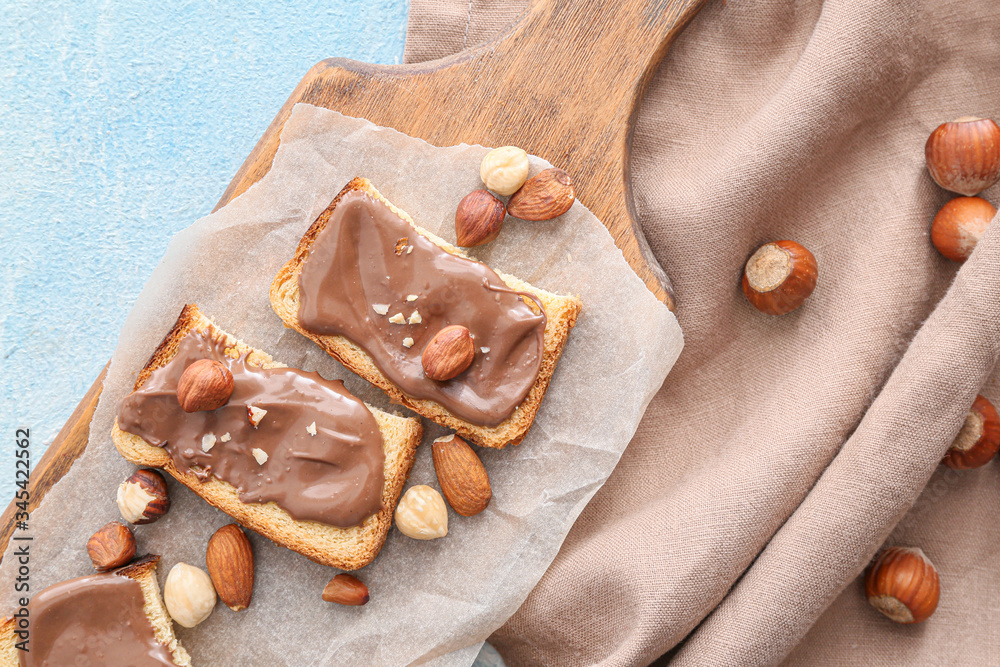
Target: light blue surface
[123,122]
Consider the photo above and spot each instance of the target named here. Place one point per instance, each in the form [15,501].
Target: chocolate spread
[371,278]
[96,621]
[316,451]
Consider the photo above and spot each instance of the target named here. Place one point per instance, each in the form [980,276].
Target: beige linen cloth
[782,452]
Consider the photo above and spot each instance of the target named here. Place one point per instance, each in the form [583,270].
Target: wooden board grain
[67,447]
[563,82]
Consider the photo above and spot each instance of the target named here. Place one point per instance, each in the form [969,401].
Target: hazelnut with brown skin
[779,277]
[979,439]
[959,225]
[903,584]
[111,547]
[964,156]
[479,218]
[204,385]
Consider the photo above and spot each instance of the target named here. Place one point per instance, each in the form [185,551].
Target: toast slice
[561,313]
[344,548]
[142,570]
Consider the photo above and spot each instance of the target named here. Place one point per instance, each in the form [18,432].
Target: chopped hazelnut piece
[398,319]
[484,350]
[255,414]
[380,308]
[409,249]
[407,342]
[225,437]
[207,442]
[415,318]
[311,428]
[412,297]
[260,455]
[401,245]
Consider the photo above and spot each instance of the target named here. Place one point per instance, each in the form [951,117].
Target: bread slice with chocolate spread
[141,570]
[560,311]
[344,548]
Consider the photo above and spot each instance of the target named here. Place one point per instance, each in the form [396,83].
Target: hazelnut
[504,169]
[462,476]
[204,385]
[229,558]
[143,497]
[964,156]
[450,352]
[188,594]
[479,218]
[979,439]
[421,513]
[110,547]
[779,277]
[547,195]
[903,584]
[959,225]
[347,590]
[255,414]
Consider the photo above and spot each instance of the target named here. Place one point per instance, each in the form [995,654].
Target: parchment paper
[429,599]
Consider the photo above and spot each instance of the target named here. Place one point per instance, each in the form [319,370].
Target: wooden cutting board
[564,82]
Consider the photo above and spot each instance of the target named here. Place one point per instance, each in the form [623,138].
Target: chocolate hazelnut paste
[371,278]
[334,476]
[95,621]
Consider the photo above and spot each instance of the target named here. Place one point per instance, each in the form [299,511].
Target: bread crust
[344,548]
[142,570]
[561,313]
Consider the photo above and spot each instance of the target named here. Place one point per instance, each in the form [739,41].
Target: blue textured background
[121,124]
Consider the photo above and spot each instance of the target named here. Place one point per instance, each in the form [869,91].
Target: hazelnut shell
[964,156]
[959,225]
[979,439]
[779,277]
[903,584]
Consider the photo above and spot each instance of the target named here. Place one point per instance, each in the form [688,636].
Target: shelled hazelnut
[346,590]
[959,225]
[188,594]
[479,218]
[143,497]
[979,439]
[964,156]
[204,385]
[504,169]
[110,547]
[779,277]
[903,584]
[421,513]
